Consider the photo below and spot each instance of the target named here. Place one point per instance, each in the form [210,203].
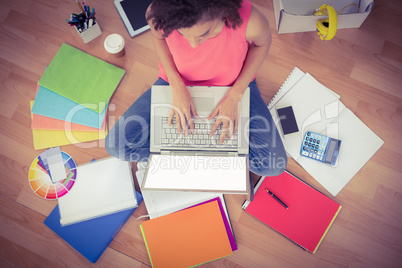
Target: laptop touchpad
[203,105]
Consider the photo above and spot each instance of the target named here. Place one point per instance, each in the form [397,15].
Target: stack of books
[189,237]
[72,99]
[185,228]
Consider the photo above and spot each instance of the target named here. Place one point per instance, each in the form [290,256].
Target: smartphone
[287,121]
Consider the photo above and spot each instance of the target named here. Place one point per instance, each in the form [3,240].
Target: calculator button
[311,154]
[316,146]
[305,143]
[314,140]
[305,153]
[318,141]
[308,133]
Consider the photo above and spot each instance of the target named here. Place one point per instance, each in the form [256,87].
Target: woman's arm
[259,35]
[183,106]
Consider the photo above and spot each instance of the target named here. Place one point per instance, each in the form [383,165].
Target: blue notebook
[50,104]
[92,237]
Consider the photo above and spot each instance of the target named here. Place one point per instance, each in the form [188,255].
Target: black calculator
[320,147]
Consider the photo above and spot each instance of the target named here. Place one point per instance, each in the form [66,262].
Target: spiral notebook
[318,109]
[291,80]
[308,216]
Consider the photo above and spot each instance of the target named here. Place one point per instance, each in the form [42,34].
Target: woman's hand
[227,113]
[183,109]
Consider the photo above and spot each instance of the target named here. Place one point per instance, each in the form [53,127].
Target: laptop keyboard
[199,139]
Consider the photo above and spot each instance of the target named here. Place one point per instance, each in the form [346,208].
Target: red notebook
[309,213]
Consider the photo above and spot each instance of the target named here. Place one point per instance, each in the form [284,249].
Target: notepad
[102,187]
[81,77]
[308,217]
[187,238]
[318,109]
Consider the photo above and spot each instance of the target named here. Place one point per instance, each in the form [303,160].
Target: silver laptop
[196,162]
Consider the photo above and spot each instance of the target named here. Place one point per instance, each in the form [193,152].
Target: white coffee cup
[114,44]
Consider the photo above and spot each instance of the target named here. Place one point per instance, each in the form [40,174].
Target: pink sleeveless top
[216,62]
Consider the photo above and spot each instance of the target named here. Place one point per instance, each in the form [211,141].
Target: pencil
[78,3]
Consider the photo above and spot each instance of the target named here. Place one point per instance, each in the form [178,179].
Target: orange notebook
[48,123]
[309,213]
[187,238]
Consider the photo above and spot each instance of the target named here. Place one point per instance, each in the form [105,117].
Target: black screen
[287,120]
[135,12]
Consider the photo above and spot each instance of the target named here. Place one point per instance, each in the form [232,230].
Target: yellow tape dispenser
[326,28]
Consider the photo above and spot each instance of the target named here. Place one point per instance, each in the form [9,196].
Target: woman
[206,43]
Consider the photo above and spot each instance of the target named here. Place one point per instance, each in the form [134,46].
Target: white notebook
[291,80]
[102,187]
[318,109]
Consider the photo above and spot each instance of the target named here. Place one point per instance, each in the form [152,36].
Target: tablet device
[132,12]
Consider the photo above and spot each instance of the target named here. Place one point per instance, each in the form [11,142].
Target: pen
[78,3]
[276,198]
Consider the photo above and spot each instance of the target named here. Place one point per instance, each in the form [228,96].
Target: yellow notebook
[187,238]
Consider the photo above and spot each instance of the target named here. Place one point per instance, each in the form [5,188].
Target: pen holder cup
[90,34]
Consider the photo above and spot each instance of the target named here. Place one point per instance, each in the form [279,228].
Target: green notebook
[82,78]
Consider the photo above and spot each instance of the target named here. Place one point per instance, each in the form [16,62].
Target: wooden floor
[363,65]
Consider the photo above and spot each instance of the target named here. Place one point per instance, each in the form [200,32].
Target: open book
[319,110]
[103,187]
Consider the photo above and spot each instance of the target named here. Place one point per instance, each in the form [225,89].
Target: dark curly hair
[170,15]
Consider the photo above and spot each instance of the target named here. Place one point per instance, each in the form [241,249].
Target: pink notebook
[309,213]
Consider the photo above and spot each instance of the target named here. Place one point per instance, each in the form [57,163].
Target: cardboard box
[294,16]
